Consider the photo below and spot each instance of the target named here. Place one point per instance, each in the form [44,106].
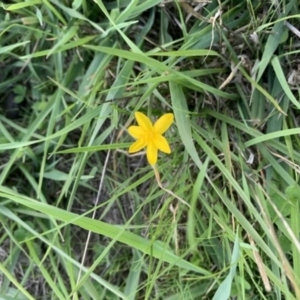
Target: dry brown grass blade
[260,266]
[285,263]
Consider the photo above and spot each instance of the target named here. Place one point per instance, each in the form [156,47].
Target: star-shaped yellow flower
[150,136]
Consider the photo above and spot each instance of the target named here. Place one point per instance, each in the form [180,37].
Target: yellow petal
[136,131]
[163,123]
[143,121]
[161,143]
[137,146]
[151,154]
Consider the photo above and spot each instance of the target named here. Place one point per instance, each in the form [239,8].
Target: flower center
[149,135]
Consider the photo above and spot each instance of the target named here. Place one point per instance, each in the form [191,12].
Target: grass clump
[218,218]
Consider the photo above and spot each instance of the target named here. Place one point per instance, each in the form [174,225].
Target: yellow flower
[150,136]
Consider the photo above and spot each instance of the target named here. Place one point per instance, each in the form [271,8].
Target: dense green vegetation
[217,218]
